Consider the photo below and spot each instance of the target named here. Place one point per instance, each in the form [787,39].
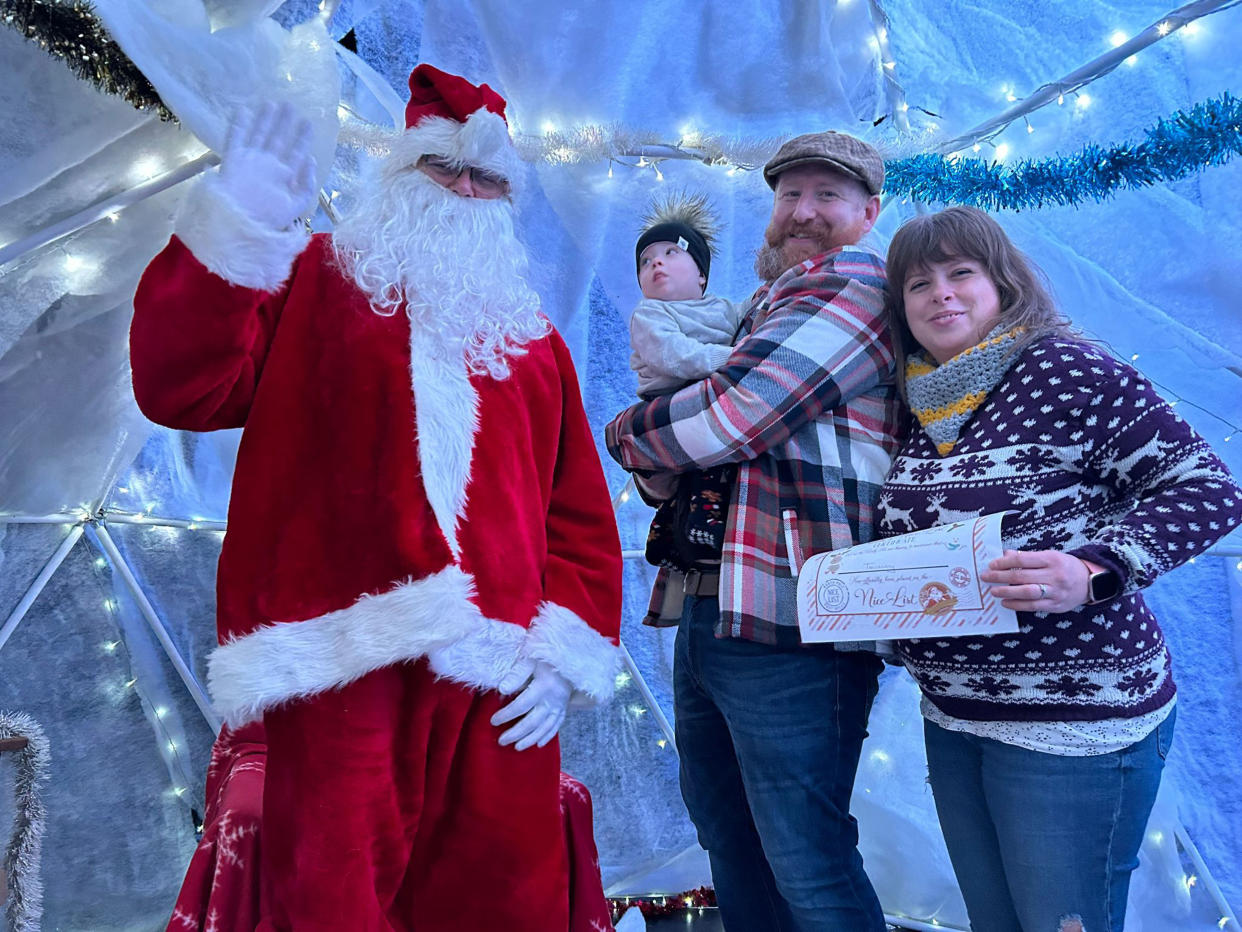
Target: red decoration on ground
[655,907]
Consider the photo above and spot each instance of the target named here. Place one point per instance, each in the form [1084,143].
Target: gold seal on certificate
[910,586]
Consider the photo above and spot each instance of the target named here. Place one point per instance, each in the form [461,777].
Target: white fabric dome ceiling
[1151,271]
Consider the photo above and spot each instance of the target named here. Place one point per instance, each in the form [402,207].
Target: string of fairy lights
[157,710]
[124,600]
[1208,134]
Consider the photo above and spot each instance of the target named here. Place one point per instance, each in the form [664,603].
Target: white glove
[268,169]
[540,706]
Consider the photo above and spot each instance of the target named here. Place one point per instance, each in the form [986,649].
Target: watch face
[1104,586]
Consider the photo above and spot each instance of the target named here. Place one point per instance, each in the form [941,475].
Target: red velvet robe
[354,540]
[402,539]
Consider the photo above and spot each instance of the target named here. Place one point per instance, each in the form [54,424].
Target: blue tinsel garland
[1209,133]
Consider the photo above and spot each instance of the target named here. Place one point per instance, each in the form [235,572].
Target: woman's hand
[1038,580]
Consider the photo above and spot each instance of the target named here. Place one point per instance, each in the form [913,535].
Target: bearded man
[769,731]
[419,526]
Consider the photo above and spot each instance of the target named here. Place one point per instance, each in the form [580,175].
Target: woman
[1045,746]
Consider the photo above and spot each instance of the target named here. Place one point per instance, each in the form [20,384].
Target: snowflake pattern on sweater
[1088,460]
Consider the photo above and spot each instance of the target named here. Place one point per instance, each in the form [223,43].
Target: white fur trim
[289,660]
[446,410]
[483,140]
[231,243]
[485,658]
[578,652]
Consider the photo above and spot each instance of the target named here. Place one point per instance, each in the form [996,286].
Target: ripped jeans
[1037,838]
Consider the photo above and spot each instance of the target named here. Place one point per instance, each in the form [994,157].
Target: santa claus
[422,566]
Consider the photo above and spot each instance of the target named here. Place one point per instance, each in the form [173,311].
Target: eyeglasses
[445,171]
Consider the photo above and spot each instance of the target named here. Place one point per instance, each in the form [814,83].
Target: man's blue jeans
[769,740]
[1039,838]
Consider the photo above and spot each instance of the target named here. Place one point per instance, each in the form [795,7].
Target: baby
[680,334]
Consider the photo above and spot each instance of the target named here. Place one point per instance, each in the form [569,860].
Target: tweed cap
[837,151]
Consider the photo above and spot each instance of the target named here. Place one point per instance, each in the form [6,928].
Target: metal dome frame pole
[157,627]
[40,581]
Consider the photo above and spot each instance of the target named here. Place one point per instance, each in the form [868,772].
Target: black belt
[699,583]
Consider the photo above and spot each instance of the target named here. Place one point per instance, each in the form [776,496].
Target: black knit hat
[682,219]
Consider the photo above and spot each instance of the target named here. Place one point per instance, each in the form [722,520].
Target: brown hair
[969,233]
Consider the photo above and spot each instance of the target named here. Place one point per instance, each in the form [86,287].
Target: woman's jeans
[1037,839]
[769,740]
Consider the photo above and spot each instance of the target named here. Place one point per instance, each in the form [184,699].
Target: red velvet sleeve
[197,343]
[584,551]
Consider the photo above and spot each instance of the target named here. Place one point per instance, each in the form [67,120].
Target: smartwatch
[1103,586]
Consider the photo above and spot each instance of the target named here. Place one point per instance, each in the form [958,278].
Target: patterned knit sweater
[1092,462]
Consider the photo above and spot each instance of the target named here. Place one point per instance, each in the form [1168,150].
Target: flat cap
[837,151]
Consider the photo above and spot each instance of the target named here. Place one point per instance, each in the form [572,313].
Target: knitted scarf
[945,397]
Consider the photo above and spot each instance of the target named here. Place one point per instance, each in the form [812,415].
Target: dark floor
[707,921]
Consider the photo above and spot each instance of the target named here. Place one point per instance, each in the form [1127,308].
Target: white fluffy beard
[453,262]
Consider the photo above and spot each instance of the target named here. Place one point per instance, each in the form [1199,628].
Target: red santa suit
[401,534]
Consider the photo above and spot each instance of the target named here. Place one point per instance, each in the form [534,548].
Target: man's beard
[779,254]
[454,264]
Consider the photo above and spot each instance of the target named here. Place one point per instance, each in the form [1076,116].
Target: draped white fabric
[1154,272]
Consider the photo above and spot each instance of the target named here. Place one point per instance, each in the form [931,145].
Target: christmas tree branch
[73,33]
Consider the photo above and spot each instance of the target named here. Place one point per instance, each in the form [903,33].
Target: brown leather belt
[700,583]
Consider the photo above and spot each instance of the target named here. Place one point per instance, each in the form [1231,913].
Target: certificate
[916,585]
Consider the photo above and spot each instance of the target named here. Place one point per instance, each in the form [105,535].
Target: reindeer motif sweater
[1090,461]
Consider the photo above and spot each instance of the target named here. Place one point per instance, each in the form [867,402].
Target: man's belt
[699,583]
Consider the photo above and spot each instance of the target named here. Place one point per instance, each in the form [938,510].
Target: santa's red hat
[452,118]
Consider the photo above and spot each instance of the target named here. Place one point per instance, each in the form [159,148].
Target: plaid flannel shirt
[806,406]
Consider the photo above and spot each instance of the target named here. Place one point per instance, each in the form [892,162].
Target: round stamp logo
[937,599]
[959,576]
[833,595]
